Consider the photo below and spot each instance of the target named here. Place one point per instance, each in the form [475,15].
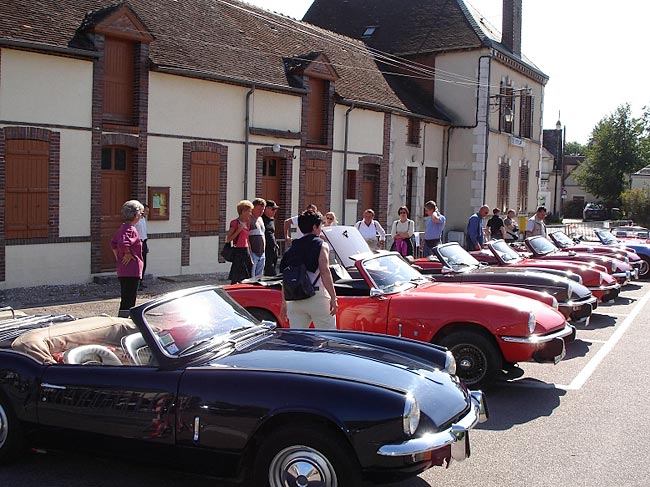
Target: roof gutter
[386,108]
[37,46]
[190,73]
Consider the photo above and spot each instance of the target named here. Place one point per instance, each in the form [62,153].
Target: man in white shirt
[371,230]
[293,221]
[256,238]
[141,227]
[536,225]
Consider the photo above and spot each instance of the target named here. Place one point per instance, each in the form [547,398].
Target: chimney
[511,31]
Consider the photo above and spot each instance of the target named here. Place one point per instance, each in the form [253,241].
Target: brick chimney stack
[511,29]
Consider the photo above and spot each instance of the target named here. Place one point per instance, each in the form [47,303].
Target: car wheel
[645,267]
[478,361]
[11,435]
[296,456]
[262,314]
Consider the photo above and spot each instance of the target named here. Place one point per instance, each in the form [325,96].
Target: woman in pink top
[242,264]
[127,248]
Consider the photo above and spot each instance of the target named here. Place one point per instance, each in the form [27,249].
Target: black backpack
[296,283]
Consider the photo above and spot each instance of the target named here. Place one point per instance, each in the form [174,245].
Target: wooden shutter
[503,186]
[119,80]
[522,199]
[316,183]
[204,192]
[27,206]
[317,114]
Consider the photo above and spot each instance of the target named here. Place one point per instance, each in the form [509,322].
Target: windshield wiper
[196,345]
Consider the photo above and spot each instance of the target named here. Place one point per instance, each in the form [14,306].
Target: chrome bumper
[534,339]
[457,435]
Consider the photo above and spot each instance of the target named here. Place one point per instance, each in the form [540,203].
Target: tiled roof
[220,37]
[405,27]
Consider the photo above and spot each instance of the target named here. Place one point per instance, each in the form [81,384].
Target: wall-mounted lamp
[277,148]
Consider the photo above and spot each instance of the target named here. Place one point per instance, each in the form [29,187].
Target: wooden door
[116,190]
[431,185]
[271,170]
[370,187]
[204,192]
[316,183]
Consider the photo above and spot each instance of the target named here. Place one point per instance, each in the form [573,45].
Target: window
[318,113]
[413,131]
[26,193]
[503,184]
[204,191]
[351,190]
[119,80]
[506,109]
[368,32]
[526,121]
[430,185]
[522,194]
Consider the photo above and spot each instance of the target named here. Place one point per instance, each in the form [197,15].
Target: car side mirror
[376,293]
[446,270]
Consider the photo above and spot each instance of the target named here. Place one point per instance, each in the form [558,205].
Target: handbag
[227,251]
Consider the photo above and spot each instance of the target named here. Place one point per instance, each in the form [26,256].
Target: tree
[612,154]
[637,202]
[574,149]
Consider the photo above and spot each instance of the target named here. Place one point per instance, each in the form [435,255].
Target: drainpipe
[246,141]
[345,160]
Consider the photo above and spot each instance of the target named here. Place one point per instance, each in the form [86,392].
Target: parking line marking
[591,366]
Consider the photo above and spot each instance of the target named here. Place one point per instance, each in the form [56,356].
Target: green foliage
[614,151]
[575,149]
[636,203]
[553,218]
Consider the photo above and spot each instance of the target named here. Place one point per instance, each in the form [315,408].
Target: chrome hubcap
[301,466]
[471,363]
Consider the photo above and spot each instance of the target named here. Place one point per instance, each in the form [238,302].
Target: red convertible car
[602,285]
[618,251]
[487,330]
[542,248]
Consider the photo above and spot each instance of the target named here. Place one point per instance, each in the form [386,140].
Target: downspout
[345,160]
[451,128]
[246,141]
[487,131]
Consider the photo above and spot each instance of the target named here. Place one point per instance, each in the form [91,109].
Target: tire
[11,435]
[478,361]
[262,314]
[645,267]
[304,453]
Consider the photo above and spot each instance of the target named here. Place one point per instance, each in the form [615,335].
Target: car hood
[310,353]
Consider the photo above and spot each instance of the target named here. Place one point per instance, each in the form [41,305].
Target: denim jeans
[258,264]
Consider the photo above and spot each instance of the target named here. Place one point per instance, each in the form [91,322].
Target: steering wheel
[91,355]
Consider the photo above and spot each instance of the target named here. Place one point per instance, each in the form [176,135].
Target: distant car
[640,245]
[543,249]
[594,211]
[594,277]
[566,244]
[631,232]
[487,330]
[451,263]
[195,381]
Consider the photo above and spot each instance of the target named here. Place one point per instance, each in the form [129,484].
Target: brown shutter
[27,176]
[204,192]
[316,111]
[119,80]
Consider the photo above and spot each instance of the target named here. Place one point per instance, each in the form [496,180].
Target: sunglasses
[402,213]
[329,218]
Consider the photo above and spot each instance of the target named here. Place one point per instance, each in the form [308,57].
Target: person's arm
[530,226]
[435,216]
[287,230]
[382,234]
[326,276]
[393,229]
[234,231]
[411,229]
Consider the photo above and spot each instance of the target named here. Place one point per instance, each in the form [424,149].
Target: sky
[594,52]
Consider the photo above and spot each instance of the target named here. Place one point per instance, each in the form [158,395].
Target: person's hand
[334,306]
[283,312]
[127,258]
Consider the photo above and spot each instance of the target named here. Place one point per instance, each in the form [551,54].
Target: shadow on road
[598,321]
[510,405]
[577,348]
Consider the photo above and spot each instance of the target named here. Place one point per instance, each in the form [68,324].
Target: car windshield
[562,239]
[541,246]
[606,237]
[391,273]
[505,252]
[197,321]
[456,256]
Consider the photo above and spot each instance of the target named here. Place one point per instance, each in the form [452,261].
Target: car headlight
[411,417]
[450,363]
[600,279]
[627,260]
[569,291]
[531,322]
[554,305]
[613,266]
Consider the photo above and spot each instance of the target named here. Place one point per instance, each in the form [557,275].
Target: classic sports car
[452,263]
[615,249]
[487,330]
[193,376]
[542,248]
[603,286]
[631,232]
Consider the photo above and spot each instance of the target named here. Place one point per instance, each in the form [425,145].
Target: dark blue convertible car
[192,377]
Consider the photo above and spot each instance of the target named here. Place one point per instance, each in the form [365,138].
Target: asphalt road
[583,422]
